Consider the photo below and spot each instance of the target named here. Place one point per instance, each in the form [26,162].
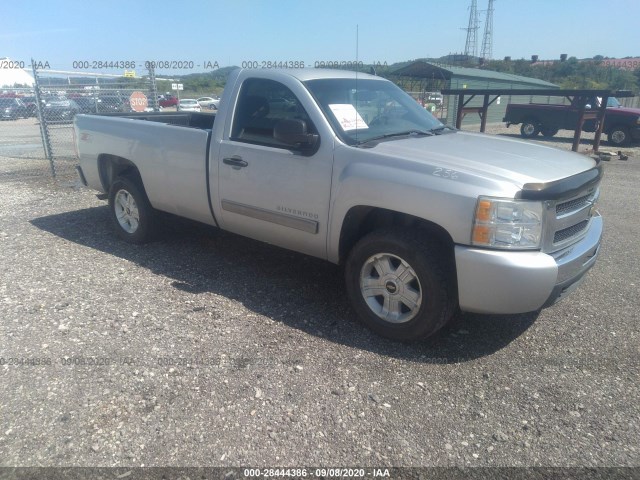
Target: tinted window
[261,105]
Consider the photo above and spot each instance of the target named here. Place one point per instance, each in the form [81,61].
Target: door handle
[236,162]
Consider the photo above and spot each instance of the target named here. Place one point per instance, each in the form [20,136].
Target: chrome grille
[568,219]
[572,205]
[566,233]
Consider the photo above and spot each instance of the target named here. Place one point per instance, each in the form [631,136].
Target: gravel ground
[206,348]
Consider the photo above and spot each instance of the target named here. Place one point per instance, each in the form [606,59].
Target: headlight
[507,223]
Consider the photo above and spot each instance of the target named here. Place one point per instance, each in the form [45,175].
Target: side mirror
[294,132]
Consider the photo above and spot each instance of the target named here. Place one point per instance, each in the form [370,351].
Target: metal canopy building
[11,74]
[424,76]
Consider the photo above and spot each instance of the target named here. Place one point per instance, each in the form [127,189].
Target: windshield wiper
[398,134]
[441,129]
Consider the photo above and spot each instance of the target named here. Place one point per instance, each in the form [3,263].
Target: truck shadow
[302,292]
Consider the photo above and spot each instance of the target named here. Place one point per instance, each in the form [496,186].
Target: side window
[261,105]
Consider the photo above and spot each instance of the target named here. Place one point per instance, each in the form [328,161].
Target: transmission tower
[487,40]
[471,46]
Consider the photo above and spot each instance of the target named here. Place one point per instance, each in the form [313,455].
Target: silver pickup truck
[349,168]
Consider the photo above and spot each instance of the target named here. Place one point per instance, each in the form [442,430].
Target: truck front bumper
[508,282]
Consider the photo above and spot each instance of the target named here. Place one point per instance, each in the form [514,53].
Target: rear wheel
[131,212]
[529,128]
[619,136]
[400,284]
[548,132]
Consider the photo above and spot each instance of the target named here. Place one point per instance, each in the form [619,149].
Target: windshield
[613,102]
[363,110]
[58,103]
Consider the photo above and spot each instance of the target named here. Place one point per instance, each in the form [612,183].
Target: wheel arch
[608,128]
[361,220]
[111,167]
[531,117]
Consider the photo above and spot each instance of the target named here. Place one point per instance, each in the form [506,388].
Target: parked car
[209,102]
[622,125]
[189,105]
[113,103]
[87,104]
[31,104]
[60,110]
[433,97]
[426,219]
[12,109]
[168,101]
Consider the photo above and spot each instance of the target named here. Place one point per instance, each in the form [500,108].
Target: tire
[548,132]
[411,290]
[619,136]
[130,211]
[529,128]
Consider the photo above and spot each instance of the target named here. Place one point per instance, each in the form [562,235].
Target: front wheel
[548,132]
[401,284]
[529,128]
[131,212]
[619,136]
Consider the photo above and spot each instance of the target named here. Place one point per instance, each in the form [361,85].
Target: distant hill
[598,72]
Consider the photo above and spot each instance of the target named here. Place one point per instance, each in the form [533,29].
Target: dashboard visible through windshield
[365,110]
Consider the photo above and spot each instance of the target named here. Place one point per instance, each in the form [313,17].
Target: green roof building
[420,77]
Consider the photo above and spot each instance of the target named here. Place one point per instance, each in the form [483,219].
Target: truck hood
[505,159]
[623,111]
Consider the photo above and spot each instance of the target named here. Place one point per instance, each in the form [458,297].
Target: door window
[261,105]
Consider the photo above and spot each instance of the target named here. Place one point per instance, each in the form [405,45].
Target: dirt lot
[205,348]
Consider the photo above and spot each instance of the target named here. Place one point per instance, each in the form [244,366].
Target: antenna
[357,26]
[487,40]
[356,105]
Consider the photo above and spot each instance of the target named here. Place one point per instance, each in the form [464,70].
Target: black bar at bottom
[230,473]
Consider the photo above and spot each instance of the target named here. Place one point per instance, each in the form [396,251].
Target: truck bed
[203,121]
[170,150]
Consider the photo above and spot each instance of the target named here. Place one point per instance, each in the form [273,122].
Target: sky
[200,33]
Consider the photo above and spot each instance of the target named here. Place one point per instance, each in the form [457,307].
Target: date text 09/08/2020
[191,64]
[316,472]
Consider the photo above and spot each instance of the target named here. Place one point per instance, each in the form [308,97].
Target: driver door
[268,190]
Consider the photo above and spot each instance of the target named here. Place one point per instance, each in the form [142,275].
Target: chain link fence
[36,127]
[21,147]
[36,134]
